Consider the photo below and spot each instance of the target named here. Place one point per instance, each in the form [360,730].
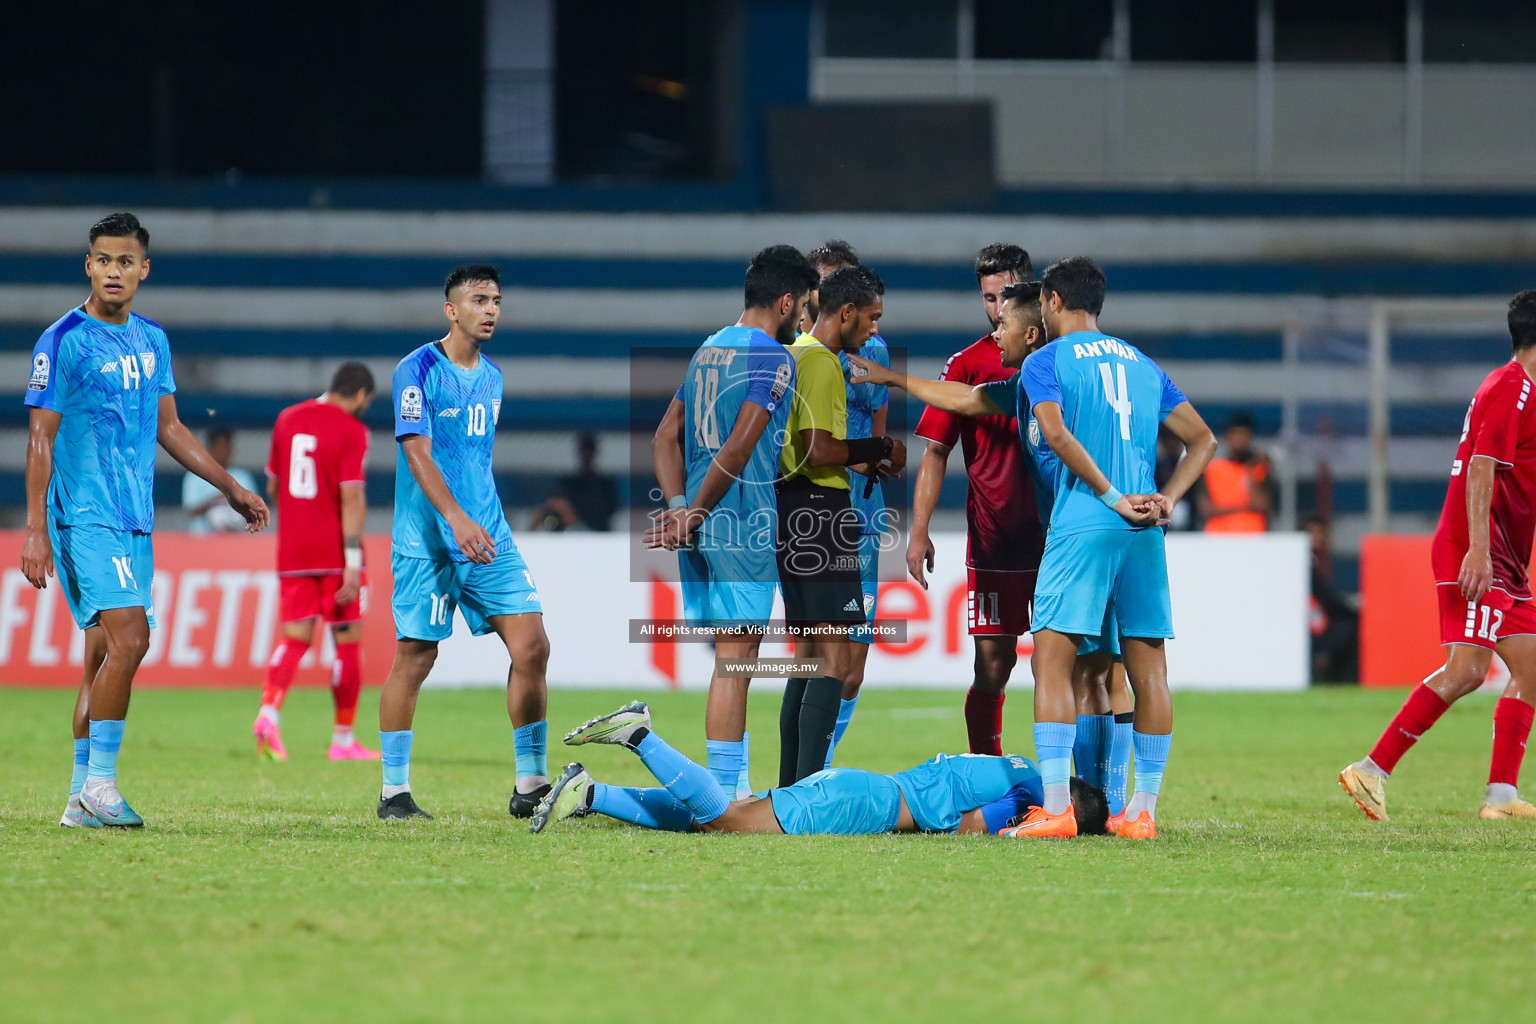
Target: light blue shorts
[722,592]
[100,568]
[1104,582]
[838,802]
[941,791]
[427,591]
[869,580]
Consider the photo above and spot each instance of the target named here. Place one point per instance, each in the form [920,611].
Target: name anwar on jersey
[1103,347]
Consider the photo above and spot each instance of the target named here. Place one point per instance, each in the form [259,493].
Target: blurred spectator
[586,499]
[1235,496]
[1334,622]
[1169,451]
[208,508]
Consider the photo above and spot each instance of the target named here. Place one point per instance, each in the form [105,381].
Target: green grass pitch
[270,893]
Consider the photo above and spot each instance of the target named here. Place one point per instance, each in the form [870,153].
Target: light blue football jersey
[1113,400]
[458,409]
[864,400]
[105,382]
[735,366]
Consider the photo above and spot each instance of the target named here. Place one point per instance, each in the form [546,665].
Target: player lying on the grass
[951,793]
[1480,558]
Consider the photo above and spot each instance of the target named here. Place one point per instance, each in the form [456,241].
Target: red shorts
[1483,624]
[309,597]
[997,603]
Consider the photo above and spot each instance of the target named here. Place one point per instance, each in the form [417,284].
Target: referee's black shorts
[818,554]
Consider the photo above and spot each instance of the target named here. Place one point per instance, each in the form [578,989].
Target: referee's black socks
[789,730]
[818,720]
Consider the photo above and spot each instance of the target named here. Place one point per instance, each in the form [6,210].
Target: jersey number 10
[706,425]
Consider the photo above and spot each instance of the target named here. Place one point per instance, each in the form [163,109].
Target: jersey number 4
[1118,396]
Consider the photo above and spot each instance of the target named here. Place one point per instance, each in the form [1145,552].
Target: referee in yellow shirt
[818,541]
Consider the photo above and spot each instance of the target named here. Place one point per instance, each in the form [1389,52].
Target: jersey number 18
[706,425]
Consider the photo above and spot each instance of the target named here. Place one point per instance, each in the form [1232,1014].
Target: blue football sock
[744,780]
[82,759]
[528,746]
[725,763]
[844,716]
[1151,759]
[1085,748]
[1053,748]
[1117,779]
[648,808]
[999,812]
[106,739]
[395,748]
[686,781]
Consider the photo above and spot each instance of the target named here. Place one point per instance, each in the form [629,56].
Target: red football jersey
[1002,517]
[316,447]
[1500,424]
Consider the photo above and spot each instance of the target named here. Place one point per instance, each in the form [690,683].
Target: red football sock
[1421,710]
[346,682]
[280,670]
[984,721]
[1511,726]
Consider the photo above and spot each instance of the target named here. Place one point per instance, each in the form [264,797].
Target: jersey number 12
[1118,397]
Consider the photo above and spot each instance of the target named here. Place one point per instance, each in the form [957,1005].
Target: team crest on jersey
[495,411]
[147,363]
[1034,431]
[40,371]
[410,404]
[780,381]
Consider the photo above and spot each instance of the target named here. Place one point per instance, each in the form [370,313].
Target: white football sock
[1370,767]
[1502,793]
[1141,802]
[270,713]
[341,736]
[390,791]
[529,783]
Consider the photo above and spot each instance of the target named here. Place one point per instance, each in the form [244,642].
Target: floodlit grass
[270,893]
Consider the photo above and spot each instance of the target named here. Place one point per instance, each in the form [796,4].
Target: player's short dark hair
[350,378]
[1025,296]
[834,253]
[1002,257]
[1522,319]
[776,271]
[120,225]
[858,285]
[214,433]
[1079,282]
[1090,807]
[464,273]
[1238,421]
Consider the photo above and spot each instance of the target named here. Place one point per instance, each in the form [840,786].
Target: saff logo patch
[41,369]
[410,404]
[780,381]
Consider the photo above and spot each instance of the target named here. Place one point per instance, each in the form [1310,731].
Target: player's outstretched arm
[186,449]
[667,451]
[469,535]
[950,395]
[37,549]
[1076,458]
[1199,449]
[1476,574]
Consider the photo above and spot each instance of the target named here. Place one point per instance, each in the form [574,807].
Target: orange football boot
[1140,827]
[1039,825]
[1112,825]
